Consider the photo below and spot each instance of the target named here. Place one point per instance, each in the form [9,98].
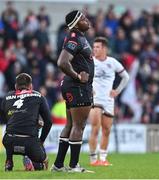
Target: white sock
[103,154]
[93,157]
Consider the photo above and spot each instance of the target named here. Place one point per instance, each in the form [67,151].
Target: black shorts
[30,146]
[77,96]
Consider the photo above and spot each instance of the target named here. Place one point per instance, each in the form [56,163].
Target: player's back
[21,110]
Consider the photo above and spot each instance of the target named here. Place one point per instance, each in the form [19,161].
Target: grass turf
[125,166]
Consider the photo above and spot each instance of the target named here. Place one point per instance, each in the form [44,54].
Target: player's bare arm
[65,65]
[125,78]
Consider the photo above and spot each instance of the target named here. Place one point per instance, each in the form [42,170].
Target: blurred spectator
[43,16]
[11,23]
[111,21]
[51,84]
[126,22]
[20,52]
[121,42]
[156,18]
[49,55]
[142,21]
[2,30]
[31,23]
[61,34]
[42,34]
[99,25]
[91,18]
[90,36]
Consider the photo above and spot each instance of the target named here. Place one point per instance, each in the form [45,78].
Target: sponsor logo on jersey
[71,45]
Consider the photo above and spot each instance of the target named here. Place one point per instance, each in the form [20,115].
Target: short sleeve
[71,45]
[118,67]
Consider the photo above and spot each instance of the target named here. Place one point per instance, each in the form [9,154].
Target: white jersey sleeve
[118,67]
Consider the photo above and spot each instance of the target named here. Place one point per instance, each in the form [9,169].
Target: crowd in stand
[134,41]
[25,47]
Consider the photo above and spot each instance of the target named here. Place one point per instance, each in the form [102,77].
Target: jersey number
[18,103]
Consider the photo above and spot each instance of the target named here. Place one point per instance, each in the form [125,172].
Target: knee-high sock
[62,150]
[75,152]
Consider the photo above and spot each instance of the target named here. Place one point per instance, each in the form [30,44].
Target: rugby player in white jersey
[103,112]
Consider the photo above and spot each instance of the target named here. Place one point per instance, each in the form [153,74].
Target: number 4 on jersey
[18,103]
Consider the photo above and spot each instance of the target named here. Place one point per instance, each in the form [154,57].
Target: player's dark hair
[102,40]
[23,81]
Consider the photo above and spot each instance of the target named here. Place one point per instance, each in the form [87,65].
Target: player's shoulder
[71,41]
[96,60]
[10,93]
[36,93]
[110,58]
[73,35]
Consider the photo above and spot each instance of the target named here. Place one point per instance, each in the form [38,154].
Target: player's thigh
[80,115]
[35,150]
[8,143]
[67,129]
[69,118]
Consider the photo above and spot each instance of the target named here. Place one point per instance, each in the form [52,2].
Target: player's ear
[30,86]
[76,26]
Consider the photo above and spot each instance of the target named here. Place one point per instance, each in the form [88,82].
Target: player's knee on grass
[38,166]
[43,165]
[38,156]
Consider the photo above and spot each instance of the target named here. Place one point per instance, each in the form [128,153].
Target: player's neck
[101,58]
[76,29]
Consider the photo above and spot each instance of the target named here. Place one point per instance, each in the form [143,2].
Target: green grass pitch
[125,166]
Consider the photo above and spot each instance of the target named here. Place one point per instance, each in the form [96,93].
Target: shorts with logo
[76,95]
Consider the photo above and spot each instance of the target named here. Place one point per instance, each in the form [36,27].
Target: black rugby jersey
[77,45]
[21,110]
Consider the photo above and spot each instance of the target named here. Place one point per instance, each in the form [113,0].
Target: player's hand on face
[83,77]
[113,93]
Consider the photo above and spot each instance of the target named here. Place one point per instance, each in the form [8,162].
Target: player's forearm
[125,78]
[45,131]
[67,68]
